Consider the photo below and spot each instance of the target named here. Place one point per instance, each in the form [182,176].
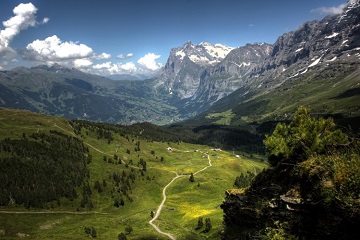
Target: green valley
[122,188]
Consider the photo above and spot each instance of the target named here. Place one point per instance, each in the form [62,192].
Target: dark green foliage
[128,229]
[142,162]
[98,186]
[122,236]
[41,168]
[152,214]
[311,190]
[303,137]
[90,231]
[191,178]
[244,180]
[86,197]
[208,225]
[137,146]
[224,137]
[200,223]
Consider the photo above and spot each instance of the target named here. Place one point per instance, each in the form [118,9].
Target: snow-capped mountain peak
[203,54]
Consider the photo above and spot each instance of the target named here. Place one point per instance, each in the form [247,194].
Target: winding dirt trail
[158,211]
[210,165]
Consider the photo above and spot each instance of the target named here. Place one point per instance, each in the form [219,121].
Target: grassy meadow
[186,201]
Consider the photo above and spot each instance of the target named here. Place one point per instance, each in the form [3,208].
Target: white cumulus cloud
[114,68]
[128,67]
[103,56]
[330,10]
[24,17]
[149,61]
[122,56]
[82,63]
[53,49]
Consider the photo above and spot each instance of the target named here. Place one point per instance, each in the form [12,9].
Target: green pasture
[186,201]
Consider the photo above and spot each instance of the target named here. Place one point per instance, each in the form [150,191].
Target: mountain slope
[73,94]
[318,65]
[195,76]
[181,74]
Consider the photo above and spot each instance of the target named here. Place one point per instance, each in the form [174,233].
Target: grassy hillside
[127,172]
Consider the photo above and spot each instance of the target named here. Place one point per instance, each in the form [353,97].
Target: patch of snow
[315,62]
[243,64]
[298,50]
[344,42]
[216,51]
[181,54]
[197,58]
[284,69]
[296,74]
[259,85]
[304,71]
[333,59]
[332,35]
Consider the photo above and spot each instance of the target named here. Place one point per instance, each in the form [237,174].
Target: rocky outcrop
[272,200]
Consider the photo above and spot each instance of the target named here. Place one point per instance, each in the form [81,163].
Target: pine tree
[200,223]
[122,236]
[191,178]
[128,229]
[208,225]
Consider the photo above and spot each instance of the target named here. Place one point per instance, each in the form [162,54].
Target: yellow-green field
[186,201]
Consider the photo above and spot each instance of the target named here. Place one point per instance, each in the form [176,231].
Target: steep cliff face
[198,75]
[231,73]
[322,55]
[181,74]
[313,44]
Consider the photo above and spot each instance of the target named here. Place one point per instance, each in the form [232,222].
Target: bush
[305,136]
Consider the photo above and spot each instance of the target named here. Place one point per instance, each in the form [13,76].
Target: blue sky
[136,36]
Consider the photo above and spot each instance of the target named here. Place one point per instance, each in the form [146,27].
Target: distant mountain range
[317,65]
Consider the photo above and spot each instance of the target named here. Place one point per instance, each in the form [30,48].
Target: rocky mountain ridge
[321,54]
[195,85]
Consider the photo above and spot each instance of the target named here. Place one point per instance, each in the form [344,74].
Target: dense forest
[40,168]
[217,136]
